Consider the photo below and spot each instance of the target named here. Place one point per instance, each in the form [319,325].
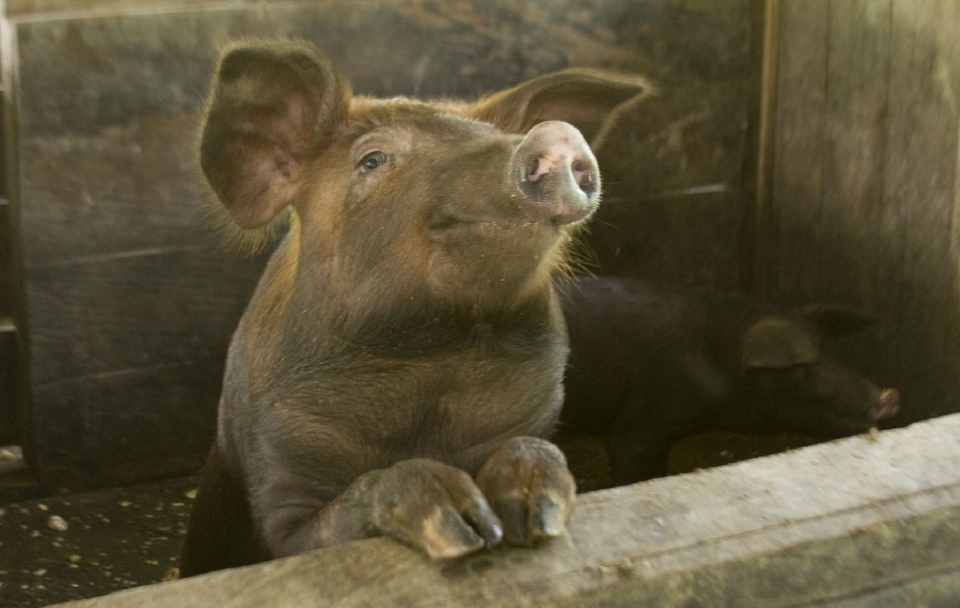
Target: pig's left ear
[776,343]
[271,105]
[835,320]
[581,97]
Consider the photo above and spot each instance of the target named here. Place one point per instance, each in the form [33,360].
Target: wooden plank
[60,9]
[128,190]
[9,404]
[688,135]
[857,258]
[857,74]
[126,426]
[920,186]
[800,151]
[950,46]
[15,375]
[756,234]
[9,354]
[865,183]
[694,243]
[839,524]
[135,311]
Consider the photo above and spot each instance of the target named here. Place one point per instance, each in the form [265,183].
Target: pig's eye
[371,161]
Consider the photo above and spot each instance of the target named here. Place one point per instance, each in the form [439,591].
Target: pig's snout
[888,405]
[557,173]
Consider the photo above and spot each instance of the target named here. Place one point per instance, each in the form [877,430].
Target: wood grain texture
[681,237]
[841,524]
[135,311]
[120,427]
[924,90]
[856,97]
[9,364]
[9,405]
[60,9]
[799,155]
[757,228]
[865,190]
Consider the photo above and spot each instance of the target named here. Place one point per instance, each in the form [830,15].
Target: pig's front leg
[530,488]
[424,503]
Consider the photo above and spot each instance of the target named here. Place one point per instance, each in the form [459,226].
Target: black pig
[401,361]
[651,364]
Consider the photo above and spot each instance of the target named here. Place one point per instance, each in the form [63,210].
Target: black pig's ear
[776,343]
[835,320]
[581,97]
[272,104]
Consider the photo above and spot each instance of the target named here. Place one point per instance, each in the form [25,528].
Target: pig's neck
[391,316]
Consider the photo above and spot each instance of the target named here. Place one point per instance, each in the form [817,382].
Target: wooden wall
[866,183]
[131,300]
[12,345]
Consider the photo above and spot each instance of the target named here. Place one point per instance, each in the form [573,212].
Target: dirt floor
[84,545]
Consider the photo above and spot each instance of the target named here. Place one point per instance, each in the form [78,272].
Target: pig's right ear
[777,343]
[271,106]
[834,320]
[582,97]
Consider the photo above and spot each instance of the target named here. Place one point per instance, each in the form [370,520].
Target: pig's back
[623,335]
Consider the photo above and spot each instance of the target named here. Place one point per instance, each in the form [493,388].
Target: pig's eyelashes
[371,161]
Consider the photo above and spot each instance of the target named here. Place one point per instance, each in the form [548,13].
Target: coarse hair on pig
[399,367]
[511,111]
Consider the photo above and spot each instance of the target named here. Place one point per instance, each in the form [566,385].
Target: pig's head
[469,204]
[795,386]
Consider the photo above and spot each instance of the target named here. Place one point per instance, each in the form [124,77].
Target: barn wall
[130,298]
[865,193]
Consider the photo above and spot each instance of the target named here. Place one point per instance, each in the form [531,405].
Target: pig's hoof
[530,488]
[435,507]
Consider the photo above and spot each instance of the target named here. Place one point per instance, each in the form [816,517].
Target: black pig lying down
[650,365]
[401,362]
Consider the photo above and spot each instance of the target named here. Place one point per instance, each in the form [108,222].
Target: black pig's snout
[888,406]
[557,174]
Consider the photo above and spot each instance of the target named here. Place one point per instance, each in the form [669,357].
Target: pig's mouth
[442,221]
[886,407]
[449,222]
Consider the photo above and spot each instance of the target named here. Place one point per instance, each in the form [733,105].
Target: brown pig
[402,357]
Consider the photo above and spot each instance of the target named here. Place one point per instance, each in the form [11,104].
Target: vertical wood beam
[755,241]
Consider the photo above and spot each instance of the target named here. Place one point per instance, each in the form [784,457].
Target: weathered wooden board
[799,154]
[924,94]
[865,183]
[123,279]
[9,364]
[641,238]
[9,407]
[54,9]
[850,523]
[117,428]
[13,367]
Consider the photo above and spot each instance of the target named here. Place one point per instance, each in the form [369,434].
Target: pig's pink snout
[557,173]
[888,406]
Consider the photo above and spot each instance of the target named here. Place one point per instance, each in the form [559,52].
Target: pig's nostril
[537,169]
[584,175]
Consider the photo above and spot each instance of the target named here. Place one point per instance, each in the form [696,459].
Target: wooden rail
[865,521]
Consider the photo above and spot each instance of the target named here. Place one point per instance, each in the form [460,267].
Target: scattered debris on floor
[84,545]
